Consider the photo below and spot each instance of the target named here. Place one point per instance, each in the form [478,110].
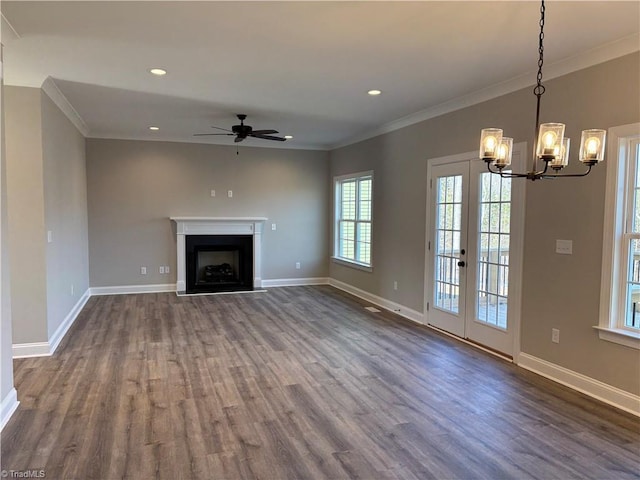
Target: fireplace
[219,263]
[218,254]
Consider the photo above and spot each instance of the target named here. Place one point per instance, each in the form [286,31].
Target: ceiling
[302,68]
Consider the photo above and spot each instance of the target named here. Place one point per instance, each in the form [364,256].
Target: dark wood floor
[295,383]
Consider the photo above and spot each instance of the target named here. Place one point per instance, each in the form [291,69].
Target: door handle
[461,263]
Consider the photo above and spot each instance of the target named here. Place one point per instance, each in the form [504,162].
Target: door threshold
[479,346]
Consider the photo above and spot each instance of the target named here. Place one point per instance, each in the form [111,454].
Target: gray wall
[27,235]
[46,192]
[559,292]
[65,213]
[6,361]
[135,186]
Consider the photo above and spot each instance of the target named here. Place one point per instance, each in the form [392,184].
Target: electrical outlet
[230,193]
[166,269]
[273,226]
[555,335]
[213,193]
[143,270]
[297,265]
[161,269]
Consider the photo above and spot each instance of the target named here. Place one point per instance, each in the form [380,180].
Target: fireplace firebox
[219,263]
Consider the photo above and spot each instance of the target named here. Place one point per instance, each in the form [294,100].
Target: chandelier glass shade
[551,152]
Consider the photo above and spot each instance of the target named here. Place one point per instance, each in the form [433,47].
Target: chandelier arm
[506,174]
[513,175]
[544,171]
[555,175]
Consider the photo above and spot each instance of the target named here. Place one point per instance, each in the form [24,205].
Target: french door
[474,251]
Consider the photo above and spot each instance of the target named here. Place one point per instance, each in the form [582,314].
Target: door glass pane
[447,248]
[492,288]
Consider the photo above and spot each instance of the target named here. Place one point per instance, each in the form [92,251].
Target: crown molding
[53,92]
[180,139]
[601,54]
[8,32]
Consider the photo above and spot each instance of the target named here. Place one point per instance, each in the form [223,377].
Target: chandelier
[552,147]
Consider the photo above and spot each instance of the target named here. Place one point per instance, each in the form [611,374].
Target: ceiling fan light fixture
[374,92]
[153,128]
[288,137]
[242,131]
[159,72]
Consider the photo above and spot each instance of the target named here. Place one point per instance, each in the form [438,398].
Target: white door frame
[518,191]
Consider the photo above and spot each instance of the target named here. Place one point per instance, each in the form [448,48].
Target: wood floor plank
[295,383]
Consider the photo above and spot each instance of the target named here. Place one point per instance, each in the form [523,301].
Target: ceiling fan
[243,131]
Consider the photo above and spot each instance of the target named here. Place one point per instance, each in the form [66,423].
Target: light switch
[230,193]
[213,193]
[273,226]
[564,247]
[49,236]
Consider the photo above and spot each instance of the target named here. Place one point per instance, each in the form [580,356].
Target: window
[620,293]
[352,229]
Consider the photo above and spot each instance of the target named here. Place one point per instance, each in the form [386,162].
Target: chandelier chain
[539,89]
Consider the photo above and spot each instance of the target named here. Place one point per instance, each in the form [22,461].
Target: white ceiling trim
[8,33]
[587,59]
[53,92]
[178,139]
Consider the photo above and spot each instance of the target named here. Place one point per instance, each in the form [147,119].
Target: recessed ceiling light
[154,128]
[158,71]
[288,137]
[373,93]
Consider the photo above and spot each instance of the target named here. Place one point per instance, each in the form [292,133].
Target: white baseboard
[27,350]
[129,289]
[589,386]
[64,327]
[45,349]
[294,282]
[8,407]
[396,308]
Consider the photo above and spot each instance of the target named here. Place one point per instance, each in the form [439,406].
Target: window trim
[611,322]
[336,258]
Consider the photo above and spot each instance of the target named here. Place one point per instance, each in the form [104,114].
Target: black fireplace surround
[219,263]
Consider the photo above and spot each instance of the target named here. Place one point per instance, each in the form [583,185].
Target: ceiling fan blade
[268,137]
[219,128]
[208,134]
[239,139]
[263,132]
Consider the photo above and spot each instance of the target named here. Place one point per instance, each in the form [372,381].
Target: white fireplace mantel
[218,226]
